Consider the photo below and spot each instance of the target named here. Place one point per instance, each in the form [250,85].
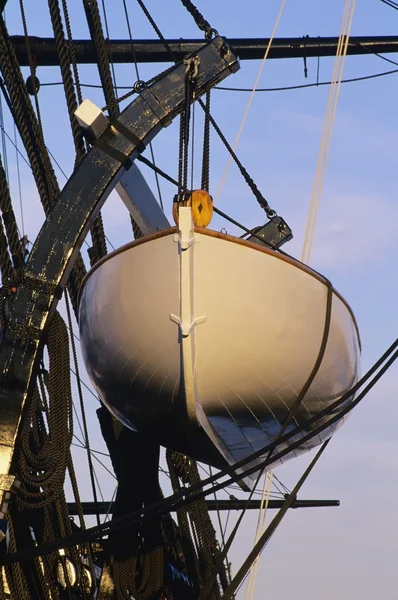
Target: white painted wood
[91,118]
[191,328]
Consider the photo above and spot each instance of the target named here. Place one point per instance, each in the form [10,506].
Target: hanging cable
[156,28]
[19,181]
[290,417]
[224,177]
[266,536]
[112,103]
[63,51]
[110,54]
[3,141]
[32,67]
[199,19]
[342,47]
[305,85]
[45,441]
[82,409]
[262,513]
[249,90]
[253,187]
[222,530]
[191,71]
[12,234]
[205,182]
[29,130]
[391,4]
[192,141]
[173,501]
[97,34]
[66,54]
[25,119]
[72,51]
[138,79]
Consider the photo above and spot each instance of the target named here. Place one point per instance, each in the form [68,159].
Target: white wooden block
[91,118]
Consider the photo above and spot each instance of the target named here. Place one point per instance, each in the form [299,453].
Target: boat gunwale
[228,238]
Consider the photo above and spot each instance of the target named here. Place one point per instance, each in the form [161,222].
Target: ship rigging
[226,350]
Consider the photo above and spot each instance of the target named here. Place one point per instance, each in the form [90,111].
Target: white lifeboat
[205,341]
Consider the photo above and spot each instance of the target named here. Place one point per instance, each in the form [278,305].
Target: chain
[206,147]
[191,74]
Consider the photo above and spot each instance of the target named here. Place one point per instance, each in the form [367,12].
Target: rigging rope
[253,187]
[110,60]
[12,235]
[295,87]
[29,130]
[199,19]
[138,79]
[66,56]
[82,408]
[32,68]
[206,147]
[63,51]
[259,546]
[290,417]
[19,178]
[337,76]
[156,28]
[259,197]
[44,456]
[72,51]
[25,120]
[262,513]
[3,141]
[224,177]
[201,551]
[175,500]
[97,34]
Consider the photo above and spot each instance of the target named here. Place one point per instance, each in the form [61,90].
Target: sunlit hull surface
[199,331]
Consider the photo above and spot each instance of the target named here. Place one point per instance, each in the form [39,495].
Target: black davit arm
[154,51]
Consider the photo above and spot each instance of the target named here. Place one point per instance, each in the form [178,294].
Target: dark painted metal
[149,51]
[66,227]
[275,233]
[90,508]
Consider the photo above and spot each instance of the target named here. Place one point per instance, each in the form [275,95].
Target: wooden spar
[91,508]
[149,51]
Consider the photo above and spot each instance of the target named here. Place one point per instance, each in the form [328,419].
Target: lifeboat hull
[205,341]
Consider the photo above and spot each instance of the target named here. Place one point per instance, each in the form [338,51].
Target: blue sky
[347,552]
